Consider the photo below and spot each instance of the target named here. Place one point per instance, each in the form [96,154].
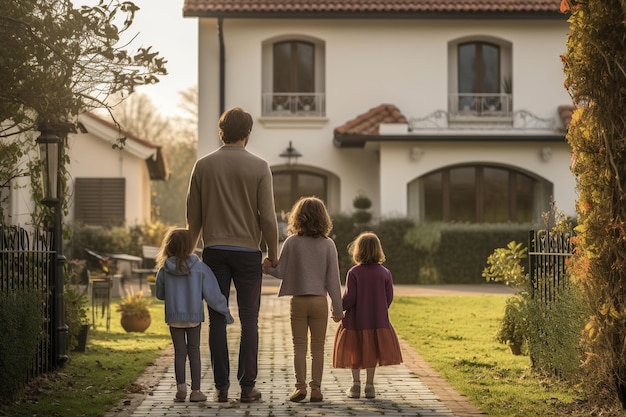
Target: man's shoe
[370,392]
[220,395]
[197,396]
[250,396]
[316,396]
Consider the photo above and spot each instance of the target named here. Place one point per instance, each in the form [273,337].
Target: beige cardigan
[309,266]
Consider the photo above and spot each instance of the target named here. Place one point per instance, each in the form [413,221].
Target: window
[289,186]
[100,201]
[480,81]
[480,194]
[293,79]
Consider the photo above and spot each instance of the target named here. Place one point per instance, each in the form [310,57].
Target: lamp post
[291,154]
[51,158]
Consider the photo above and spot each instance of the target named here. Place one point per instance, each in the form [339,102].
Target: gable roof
[141,148]
[372,8]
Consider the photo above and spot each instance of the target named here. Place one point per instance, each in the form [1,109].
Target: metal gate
[547,257]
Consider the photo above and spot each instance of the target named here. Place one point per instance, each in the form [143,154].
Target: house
[448,110]
[107,186]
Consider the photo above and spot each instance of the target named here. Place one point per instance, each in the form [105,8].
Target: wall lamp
[291,154]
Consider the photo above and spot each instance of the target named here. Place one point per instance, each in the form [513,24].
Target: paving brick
[401,390]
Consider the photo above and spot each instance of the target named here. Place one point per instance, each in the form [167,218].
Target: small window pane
[305,71]
[467,66]
[433,197]
[524,193]
[495,195]
[491,68]
[463,194]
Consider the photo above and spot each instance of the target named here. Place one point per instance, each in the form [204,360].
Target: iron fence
[547,256]
[26,262]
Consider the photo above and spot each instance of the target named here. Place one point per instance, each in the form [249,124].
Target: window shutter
[100,201]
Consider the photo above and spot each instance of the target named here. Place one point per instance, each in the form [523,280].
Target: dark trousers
[245,271]
[186,342]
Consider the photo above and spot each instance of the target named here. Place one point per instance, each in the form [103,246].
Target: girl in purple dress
[365,338]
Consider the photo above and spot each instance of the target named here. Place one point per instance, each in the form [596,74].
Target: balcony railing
[294,104]
[480,105]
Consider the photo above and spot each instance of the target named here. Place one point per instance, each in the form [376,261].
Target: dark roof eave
[359,141]
[541,15]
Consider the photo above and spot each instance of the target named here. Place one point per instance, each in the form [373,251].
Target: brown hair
[234,125]
[309,217]
[367,249]
[178,243]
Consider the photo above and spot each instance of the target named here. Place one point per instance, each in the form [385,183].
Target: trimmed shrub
[21,327]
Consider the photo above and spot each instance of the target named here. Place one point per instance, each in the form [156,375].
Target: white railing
[294,104]
[481,105]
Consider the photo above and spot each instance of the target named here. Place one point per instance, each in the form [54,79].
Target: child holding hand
[309,268]
[184,281]
[366,338]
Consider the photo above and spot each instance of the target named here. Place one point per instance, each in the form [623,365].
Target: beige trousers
[309,312]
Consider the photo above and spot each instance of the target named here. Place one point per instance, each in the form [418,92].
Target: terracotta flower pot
[135,323]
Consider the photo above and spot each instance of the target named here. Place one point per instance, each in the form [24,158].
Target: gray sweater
[310,266]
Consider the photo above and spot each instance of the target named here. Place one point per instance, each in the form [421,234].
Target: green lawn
[456,335]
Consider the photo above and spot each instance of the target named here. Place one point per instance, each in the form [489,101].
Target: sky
[160,24]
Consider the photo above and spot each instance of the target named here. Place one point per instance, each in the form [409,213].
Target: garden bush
[21,327]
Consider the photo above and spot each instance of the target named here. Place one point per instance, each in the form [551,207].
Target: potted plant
[361,202]
[513,329]
[135,315]
[75,308]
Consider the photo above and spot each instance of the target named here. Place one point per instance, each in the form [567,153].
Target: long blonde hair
[178,243]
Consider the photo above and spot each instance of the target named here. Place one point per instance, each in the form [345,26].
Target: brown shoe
[220,395]
[250,396]
[298,395]
[316,396]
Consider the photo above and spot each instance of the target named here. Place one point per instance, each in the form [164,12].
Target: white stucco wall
[94,157]
[368,63]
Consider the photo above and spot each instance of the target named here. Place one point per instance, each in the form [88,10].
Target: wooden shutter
[100,201]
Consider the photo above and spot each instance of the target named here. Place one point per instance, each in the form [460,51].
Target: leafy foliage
[504,265]
[594,64]
[57,61]
[21,326]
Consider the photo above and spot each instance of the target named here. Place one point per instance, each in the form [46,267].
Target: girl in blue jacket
[184,281]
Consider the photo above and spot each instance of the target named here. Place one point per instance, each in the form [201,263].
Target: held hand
[336,319]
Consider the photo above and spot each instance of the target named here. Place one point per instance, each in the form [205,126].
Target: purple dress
[365,337]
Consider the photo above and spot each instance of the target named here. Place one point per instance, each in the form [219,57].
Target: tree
[57,61]
[178,136]
[595,66]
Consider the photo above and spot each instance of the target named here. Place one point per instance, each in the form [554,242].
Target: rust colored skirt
[362,349]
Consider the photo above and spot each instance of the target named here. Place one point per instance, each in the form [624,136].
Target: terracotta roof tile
[210,7]
[368,123]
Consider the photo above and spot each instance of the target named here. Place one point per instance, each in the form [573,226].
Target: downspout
[220,36]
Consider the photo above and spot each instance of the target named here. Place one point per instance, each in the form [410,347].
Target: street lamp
[291,154]
[51,158]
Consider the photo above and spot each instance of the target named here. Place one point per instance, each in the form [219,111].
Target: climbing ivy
[595,68]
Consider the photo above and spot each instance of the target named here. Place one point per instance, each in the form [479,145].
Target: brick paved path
[399,391]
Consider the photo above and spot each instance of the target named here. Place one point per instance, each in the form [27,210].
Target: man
[230,204]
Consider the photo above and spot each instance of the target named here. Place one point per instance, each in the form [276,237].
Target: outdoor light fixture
[50,157]
[291,154]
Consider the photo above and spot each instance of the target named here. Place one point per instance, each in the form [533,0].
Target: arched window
[290,185]
[480,194]
[480,82]
[293,77]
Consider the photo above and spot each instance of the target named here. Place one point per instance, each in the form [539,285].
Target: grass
[93,382]
[456,336]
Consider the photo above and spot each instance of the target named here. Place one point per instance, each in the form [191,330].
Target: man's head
[235,125]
